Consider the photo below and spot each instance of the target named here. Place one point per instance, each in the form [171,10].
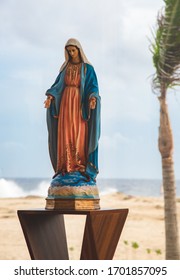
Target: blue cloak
[88,89]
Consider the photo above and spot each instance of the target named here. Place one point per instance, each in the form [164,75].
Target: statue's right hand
[47,102]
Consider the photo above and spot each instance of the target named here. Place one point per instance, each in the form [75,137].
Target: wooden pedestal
[72,204]
[45,234]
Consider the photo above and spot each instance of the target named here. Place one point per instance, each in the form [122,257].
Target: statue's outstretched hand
[47,102]
[92,103]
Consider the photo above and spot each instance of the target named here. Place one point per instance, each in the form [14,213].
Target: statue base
[72,204]
[72,191]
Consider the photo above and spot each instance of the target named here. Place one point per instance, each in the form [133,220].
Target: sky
[115,37]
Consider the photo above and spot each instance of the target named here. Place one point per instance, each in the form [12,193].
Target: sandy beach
[142,237]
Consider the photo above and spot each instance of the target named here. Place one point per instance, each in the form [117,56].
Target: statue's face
[73,51]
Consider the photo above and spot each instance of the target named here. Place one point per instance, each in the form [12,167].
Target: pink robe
[72,129]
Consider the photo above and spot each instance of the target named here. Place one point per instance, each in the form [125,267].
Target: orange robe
[72,129]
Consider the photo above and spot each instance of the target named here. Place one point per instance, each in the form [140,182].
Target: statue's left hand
[92,103]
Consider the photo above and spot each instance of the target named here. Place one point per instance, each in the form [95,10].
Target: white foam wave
[41,189]
[108,190]
[9,188]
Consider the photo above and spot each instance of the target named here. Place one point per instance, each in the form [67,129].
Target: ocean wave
[108,190]
[11,189]
[41,189]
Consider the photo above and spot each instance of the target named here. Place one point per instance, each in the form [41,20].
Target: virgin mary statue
[73,121]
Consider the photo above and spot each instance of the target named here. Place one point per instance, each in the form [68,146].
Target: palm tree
[166,59]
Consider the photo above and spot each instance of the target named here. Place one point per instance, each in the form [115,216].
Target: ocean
[22,187]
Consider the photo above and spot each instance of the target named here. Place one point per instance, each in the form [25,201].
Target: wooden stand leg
[45,235]
[101,235]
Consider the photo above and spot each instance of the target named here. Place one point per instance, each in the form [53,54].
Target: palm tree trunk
[166,150]
[171,225]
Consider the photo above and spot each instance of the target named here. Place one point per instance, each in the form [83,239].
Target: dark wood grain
[102,233]
[45,235]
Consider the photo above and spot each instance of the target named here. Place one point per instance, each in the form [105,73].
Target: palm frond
[166,46]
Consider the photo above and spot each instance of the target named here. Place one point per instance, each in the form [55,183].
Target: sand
[142,238]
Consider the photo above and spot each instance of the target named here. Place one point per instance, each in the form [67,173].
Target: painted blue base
[74,179]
